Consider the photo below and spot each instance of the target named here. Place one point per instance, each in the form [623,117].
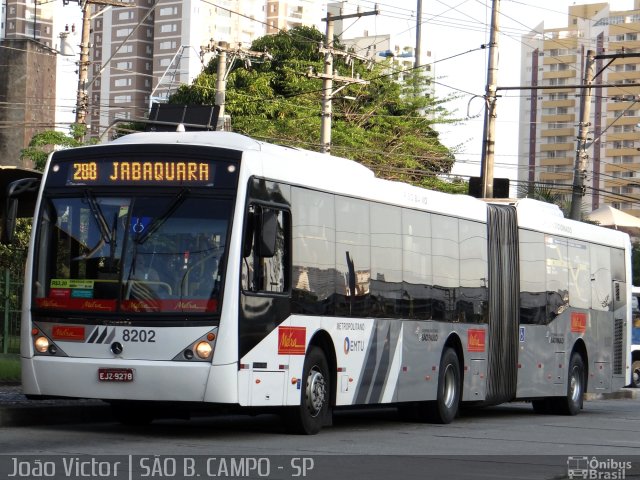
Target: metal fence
[11,297]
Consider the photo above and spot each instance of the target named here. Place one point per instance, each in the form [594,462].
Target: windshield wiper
[157,222]
[105,232]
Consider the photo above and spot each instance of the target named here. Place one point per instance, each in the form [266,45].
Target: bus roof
[340,175]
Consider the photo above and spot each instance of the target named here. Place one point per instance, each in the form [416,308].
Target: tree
[384,125]
[43,143]
[40,146]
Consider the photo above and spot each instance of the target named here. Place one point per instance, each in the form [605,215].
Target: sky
[454,31]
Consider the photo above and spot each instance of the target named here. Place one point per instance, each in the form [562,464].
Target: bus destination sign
[140,172]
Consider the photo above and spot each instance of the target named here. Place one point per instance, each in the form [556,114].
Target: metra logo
[291,340]
[353,345]
[476,340]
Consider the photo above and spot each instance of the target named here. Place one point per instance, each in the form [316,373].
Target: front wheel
[445,408]
[308,418]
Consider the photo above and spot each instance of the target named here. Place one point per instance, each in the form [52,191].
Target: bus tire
[445,408]
[572,403]
[308,418]
[635,374]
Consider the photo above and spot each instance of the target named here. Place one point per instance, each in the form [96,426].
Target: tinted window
[353,257]
[386,259]
[313,251]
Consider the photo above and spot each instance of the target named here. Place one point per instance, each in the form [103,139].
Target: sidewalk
[17,410]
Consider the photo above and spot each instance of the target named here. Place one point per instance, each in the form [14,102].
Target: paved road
[507,441]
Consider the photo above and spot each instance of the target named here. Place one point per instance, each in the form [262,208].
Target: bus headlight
[41,344]
[203,350]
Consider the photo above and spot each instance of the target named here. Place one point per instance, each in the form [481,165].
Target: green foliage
[9,368]
[43,143]
[387,125]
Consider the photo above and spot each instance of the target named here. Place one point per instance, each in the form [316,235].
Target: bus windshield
[131,253]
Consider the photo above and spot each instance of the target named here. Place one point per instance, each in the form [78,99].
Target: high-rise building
[555,58]
[27,78]
[286,14]
[27,19]
[142,53]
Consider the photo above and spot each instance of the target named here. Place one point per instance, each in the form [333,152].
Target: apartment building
[284,15]
[27,19]
[28,79]
[142,53]
[555,58]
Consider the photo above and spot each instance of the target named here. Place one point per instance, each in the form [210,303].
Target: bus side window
[266,250]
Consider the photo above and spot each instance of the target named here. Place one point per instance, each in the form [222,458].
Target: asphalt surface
[17,410]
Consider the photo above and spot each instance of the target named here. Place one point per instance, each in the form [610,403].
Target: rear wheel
[308,418]
[445,408]
[571,404]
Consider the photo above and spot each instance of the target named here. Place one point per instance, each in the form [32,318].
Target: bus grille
[618,342]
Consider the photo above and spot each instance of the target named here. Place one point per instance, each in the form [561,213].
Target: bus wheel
[308,418]
[572,403]
[635,374]
[445,408]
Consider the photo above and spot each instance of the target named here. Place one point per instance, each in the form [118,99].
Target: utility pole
[82,97]
[488,142]
[221,84]
[82,100]
[418,52]
[580,167]
[327,90]
[328,76]
[226,58]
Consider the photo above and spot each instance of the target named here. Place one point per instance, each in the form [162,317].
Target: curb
[626,393]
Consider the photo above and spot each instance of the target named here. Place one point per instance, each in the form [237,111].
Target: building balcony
[570,117]
[565,176]
[614,152]
[549,147]
[569,59]
[569,73]
[558,103]
[558,132]
[557,162]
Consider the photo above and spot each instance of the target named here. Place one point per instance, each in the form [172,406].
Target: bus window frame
[250,233]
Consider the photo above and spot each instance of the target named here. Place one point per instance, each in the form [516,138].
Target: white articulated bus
[210,269]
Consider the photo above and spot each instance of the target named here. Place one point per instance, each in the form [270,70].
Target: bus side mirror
[25,189]
[268,233]
[10,215]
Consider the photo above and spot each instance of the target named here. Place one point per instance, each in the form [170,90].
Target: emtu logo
[353,345]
